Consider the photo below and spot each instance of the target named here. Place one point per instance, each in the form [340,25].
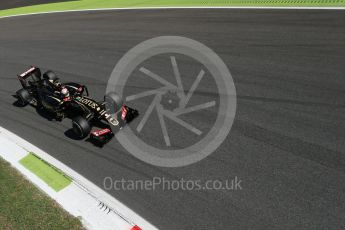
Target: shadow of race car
[71,100]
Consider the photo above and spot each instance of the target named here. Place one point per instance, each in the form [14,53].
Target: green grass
[23,206]
[54,178]
[92,4]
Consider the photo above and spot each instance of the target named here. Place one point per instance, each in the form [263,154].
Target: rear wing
[33,72]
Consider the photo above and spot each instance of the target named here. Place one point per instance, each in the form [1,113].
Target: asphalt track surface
[287,142]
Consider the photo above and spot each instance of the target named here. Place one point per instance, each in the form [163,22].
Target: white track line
[119,209]
[187,7]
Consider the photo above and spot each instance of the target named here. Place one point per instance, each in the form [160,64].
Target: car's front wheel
[81,127]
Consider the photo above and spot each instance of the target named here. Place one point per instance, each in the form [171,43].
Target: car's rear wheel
[24,97]
[81,127]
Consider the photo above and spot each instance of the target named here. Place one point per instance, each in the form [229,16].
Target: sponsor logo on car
[27,72]
[88,102]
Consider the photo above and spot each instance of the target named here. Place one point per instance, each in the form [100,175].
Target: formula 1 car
[71,100]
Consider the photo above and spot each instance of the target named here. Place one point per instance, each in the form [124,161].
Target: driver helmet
[64,92]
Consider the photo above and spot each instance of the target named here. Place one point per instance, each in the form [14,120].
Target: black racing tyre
[24,97]
[114,102]
[81,127]
[50,75]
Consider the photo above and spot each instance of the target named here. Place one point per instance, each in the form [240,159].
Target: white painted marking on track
[13,148]
[188,7]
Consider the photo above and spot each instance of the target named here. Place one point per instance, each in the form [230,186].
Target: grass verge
[93,4]
[23,206]
[53,177]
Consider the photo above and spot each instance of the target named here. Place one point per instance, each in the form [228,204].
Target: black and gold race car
[71,100]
